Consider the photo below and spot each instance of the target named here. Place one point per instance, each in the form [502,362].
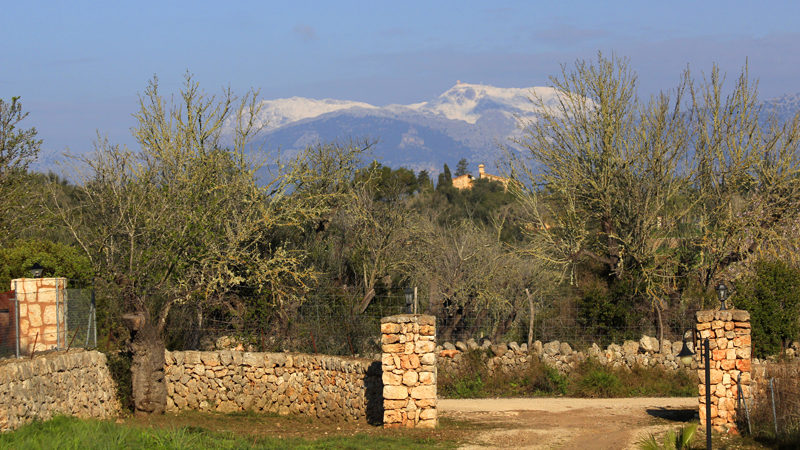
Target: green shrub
[58,260]
[475,381]
[772,296]
[592,379]
[598,383]
[119,366]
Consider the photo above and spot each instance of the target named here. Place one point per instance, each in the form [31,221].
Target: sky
[78,66]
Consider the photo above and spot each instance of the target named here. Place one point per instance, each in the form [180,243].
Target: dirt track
[568,423]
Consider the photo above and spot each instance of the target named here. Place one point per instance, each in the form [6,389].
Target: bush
[592,379]
[58,260]
[772,296]
[475,381]
[610,315]
[119,366]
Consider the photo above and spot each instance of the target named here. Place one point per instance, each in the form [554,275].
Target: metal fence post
[94,317]
[16,318]
[58,325]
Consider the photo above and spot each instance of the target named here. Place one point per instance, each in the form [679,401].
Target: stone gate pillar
[409,371]
[42,313]
[728,333]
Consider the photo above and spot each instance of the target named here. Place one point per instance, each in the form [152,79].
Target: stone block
[426,320]
[390,338]
[410,378]
[427,377]
[704,316]
[35,315]
[424,347]
[396,392]
[426,424]
[499,349]
[49,315]
[393,348]
[423,392]
[740,315]
[427,414]
[742,341]
[392,379]
[552,348]
[743,365]
[390,328]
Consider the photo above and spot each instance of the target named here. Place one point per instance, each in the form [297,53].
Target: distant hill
[467,121]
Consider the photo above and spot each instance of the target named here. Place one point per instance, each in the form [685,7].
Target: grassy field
[243,431]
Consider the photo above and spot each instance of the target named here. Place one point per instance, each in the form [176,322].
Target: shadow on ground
[673,415]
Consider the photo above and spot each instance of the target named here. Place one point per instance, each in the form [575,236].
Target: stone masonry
[728,333]
[77,383]
[329,388]
[409,371]
[42,313]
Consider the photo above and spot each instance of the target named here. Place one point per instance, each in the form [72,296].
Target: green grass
[66,433]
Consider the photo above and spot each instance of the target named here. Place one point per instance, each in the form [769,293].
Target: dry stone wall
[76,383]
[512,357]
[323,387]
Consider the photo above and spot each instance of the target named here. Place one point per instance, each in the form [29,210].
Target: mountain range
[467,121]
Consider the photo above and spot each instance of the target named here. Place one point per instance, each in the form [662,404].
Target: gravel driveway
[568,423]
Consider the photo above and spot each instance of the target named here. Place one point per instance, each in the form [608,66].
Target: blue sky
[78,65]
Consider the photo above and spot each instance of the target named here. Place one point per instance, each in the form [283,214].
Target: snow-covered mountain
[468,102]
[785,106]
[467,121]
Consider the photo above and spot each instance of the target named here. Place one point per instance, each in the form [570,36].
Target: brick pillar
[728,333]
[42,312]
[409,371]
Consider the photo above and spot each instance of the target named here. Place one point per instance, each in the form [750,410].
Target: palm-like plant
[672,440]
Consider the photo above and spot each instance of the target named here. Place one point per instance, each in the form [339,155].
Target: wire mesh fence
[335,324]
[46,314]
[332,325]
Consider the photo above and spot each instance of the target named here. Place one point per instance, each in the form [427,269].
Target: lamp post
[686,356]
[36,270]
[722,292]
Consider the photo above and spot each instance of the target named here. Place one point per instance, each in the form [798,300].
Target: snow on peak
[468,102]
[276,113]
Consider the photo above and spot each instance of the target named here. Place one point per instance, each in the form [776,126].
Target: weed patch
[589,379]
[476,381]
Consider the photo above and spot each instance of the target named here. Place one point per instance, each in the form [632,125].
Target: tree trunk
[660,329]
[530,319]
[147,370]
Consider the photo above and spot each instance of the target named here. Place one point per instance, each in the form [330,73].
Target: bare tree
[680,186]
[18,148]
[184,221]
